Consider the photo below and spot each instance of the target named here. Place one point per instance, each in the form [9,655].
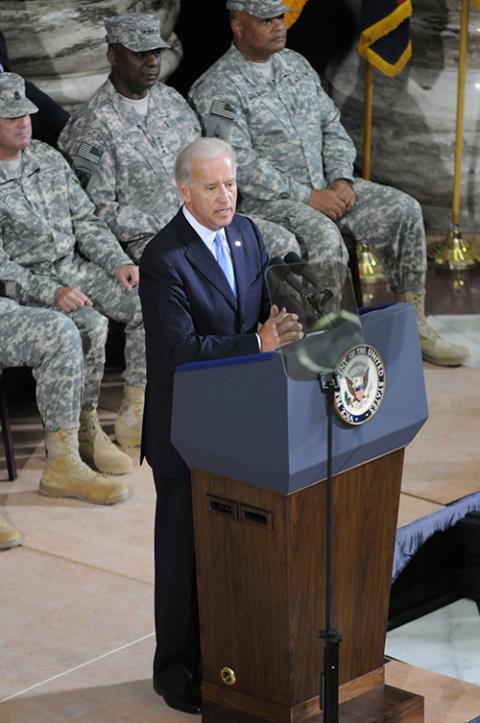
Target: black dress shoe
[186,698]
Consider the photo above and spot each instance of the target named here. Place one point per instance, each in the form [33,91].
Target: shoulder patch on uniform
[223,109]
[89,152]
[85,162]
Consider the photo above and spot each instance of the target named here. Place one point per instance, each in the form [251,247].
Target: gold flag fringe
[297,7]
[381,28]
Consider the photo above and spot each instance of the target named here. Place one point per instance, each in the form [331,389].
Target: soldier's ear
[111,56]
[237,27]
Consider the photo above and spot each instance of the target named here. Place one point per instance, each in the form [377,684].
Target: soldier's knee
[326,239]
[92,324]
[416,209]
[136,316]
[291,242]
[409,207]
[66,335]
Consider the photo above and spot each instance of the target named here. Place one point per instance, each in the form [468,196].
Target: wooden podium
[255,441]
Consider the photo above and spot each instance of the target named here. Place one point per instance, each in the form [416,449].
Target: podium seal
[361,373]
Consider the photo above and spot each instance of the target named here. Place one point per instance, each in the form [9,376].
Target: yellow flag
[477,4]
[297,7]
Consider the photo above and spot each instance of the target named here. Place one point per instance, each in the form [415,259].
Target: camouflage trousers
[49,343]
[110,299]
[278,240]
[383,216]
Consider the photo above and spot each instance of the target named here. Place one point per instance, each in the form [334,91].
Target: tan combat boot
[9,536]
[128,425]
[97,450]
[65,475]
[434,349]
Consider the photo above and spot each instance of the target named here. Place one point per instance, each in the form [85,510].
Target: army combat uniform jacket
[286,131]
[126,161]
[45,218]
[289,140]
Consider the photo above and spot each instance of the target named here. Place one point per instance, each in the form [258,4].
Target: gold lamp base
[454,253]
[369,264]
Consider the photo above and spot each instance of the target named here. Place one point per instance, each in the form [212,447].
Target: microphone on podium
[301,268]
[287,274]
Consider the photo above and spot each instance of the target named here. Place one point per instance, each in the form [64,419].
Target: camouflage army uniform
[277,239]
[126,163]
[289,140]
[49,343]
[50,238]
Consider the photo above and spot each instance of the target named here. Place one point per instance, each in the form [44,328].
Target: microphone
[287,275]
[302,269]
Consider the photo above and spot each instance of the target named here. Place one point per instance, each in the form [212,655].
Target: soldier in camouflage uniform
[49,343]
[123,143]
[57,253]
[295,159]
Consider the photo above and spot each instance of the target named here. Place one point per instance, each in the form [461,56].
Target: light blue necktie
[224,261]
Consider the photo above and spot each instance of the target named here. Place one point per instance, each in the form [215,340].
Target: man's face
[258,39]
[15,135]
[133,73]
[211,195]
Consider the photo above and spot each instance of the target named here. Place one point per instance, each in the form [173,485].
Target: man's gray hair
[202,149]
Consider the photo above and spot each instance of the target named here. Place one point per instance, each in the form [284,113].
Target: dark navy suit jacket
[190,314]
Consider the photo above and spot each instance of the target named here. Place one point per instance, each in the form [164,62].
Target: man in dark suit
[203,293]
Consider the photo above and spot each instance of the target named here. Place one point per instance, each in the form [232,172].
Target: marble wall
[61,47]
[415,113]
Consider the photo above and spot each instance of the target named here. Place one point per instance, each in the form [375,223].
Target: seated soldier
[124,141]
[295,160]
[49,343]
[59,254]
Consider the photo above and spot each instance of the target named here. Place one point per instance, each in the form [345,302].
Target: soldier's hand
[68,298]
[128,275]
[345,192]
[328,202]
[280,329]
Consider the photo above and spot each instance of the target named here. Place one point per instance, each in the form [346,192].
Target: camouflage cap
[13,102]
[136,31]
[260,8]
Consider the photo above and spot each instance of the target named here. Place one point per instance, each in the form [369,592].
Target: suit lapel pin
[237,243]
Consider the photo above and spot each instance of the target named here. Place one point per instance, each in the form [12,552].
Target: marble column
[61,47]
[415,112]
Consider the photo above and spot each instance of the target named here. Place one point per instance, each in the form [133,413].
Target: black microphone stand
[331,637]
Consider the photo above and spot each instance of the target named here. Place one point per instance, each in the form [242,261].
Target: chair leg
[351,245]
[7,433]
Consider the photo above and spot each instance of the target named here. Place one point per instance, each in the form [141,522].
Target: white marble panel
[446,641]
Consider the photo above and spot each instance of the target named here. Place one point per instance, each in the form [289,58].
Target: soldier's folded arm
[38,287]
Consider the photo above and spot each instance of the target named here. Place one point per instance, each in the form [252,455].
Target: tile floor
[76,624]
[450,642]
